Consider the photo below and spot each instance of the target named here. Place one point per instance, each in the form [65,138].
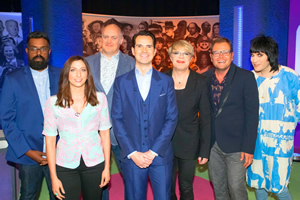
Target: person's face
[206,27]
[169,31]
[192,29]
[96,28]
[221,62]
[159,45]
[260,63]
[141,27]
[8,52]
[143,50]
[124,44]
[38,52]
[127,30]
[180,58]
[12,28]
[98,42]
[1,27]
[157,60]
[77,74]
[204,60]
[216,29]
[112,40]
[204,45]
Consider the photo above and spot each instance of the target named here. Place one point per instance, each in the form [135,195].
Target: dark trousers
[136,180]
[83,179]
[186,172]
[31,177]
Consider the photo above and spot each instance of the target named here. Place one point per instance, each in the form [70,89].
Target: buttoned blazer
[162,116]
[235,126]
[21,113]
[193,132]
[125,64]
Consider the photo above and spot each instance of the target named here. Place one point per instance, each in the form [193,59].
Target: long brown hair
[64,96]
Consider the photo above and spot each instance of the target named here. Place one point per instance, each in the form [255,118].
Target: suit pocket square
[162,94]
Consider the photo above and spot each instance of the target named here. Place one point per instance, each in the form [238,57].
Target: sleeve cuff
[131,154]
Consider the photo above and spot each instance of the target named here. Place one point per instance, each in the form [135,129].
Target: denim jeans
[262,194]
[31,177]
[227,175]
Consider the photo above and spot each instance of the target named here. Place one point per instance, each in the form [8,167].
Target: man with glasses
[22,102]
[234,107]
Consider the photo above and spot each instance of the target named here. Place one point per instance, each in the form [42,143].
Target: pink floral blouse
[78,134]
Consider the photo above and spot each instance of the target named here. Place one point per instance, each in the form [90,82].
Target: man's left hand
[149,156]
[248,159]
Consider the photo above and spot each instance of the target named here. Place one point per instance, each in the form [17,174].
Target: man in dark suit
[144,116]
[234,105]
[22,102]
[106,66]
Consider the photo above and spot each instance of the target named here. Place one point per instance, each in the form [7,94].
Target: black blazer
[235,127]
[193,132]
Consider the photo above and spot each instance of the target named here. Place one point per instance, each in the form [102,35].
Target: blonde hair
[181,44]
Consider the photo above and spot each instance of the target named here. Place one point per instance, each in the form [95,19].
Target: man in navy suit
[234,106]
[22,102]
[144,116]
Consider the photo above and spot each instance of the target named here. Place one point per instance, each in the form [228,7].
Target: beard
[38,65]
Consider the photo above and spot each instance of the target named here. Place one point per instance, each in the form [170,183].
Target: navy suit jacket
[235,127]
[21,113]
[126,63]
[162,116]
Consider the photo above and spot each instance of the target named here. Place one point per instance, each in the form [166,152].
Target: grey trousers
[227,175]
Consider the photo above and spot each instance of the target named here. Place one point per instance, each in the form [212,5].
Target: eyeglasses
[35,49]
[184,54]
[218,53]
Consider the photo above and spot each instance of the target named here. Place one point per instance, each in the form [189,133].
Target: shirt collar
[35,72]
[137,72]
[113,57]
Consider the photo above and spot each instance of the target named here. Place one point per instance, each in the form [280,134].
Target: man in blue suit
[234,108]
[22,102]
[144,117]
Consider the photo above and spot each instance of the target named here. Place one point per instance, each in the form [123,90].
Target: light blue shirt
[42,85]
[144,82]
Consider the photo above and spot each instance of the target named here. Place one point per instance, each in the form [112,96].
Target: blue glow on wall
[238,35]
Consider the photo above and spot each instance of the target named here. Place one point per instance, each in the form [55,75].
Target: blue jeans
[262,194]
[117,153]
[31,177]
[227,174]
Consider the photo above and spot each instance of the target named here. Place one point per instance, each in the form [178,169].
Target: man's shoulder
[93,57]
[55,69]
[126,58]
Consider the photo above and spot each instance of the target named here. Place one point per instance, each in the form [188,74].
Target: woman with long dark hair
[79,162]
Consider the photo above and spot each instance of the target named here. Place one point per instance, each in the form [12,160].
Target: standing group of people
[156,124]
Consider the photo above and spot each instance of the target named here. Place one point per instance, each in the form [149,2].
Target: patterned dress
[279,113]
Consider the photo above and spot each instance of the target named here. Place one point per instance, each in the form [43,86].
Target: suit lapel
[97,72]
[155,90]
[229,80]
[31,86]
[51,80]
[132,91]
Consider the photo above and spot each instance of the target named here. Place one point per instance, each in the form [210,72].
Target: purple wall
[294,22]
